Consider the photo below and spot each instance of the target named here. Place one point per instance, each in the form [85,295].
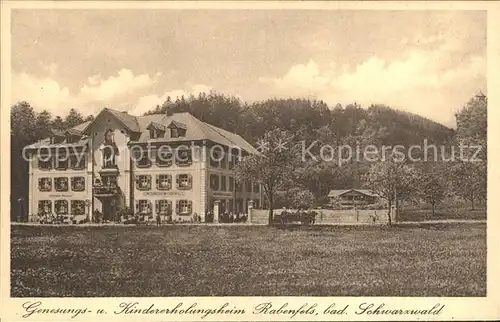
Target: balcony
[110,190]
[109,168]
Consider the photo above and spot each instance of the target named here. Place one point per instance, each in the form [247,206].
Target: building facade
[352,197]
[171,165]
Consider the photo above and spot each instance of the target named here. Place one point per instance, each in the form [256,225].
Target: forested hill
[375,124]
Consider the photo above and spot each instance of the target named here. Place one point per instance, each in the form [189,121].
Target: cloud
[148,102]
[47,93]
[51,68]
[418,81]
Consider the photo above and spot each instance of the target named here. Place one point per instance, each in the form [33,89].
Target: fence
[329,216]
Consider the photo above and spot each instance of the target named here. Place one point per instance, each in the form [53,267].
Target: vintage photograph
[238,152]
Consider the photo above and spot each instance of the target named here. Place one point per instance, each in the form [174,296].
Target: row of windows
[61,207]
[164,182]
[165,158]
[61,184]
[164,207]
[75,162]
[223,183]
[218,159]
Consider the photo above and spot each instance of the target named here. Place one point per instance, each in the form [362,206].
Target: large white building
[155,164]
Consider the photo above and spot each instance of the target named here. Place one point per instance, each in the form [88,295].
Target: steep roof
[74,130]
[129,121]
[196,130]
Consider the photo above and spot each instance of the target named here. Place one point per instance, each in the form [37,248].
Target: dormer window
[177,129]
[174,133]
[156,130]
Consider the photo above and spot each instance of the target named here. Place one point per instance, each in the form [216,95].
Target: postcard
[249,161]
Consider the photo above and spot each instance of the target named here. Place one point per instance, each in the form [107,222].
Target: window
[215,156]
[61,184]
[61,207]
[231,162]
[164,182]
[108,157]
[174,133]
[164,157]
[238,186]
[152,134]
[183,158]
[78,183]
[256,187]
[143,206]
[61,160]
[143,160]
[184,181]
[223,160]
[231,184]
[78,161]
[45,207]
[45,162]
[77,207]
[214,182]
[223,183]
[163,207]
[143,182]
[45,184]
[184,207]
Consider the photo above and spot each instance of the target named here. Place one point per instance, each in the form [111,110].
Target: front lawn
[431,260]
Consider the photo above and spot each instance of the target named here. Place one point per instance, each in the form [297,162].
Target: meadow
[200,260]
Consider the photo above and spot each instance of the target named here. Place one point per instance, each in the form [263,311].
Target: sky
[425,62]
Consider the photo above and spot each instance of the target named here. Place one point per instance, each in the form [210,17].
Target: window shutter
[169,178]
[157,181]
[136,206]
[136,180]
[190,181]
[190,206]
[177,181]
[157,206]
[150,206]
[177,205]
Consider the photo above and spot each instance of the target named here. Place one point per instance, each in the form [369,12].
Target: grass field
[431,260]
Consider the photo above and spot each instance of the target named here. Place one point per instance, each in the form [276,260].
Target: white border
[456,308]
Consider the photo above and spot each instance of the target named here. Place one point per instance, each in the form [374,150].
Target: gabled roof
[128,121]
[338,193]
[156,126]
[196,130]
[178,125]
[73,131]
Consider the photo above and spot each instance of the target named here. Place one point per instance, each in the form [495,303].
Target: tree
[431,188]
[58,123]
[279,155]
[73,118]
[392,181]
[301,198]
[23,123]
[469,172]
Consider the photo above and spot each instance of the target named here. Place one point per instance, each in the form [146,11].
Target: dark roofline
[109,110]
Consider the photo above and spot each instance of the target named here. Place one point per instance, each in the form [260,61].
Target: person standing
[158,220]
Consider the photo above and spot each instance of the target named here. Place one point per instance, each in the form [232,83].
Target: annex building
[155,164]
